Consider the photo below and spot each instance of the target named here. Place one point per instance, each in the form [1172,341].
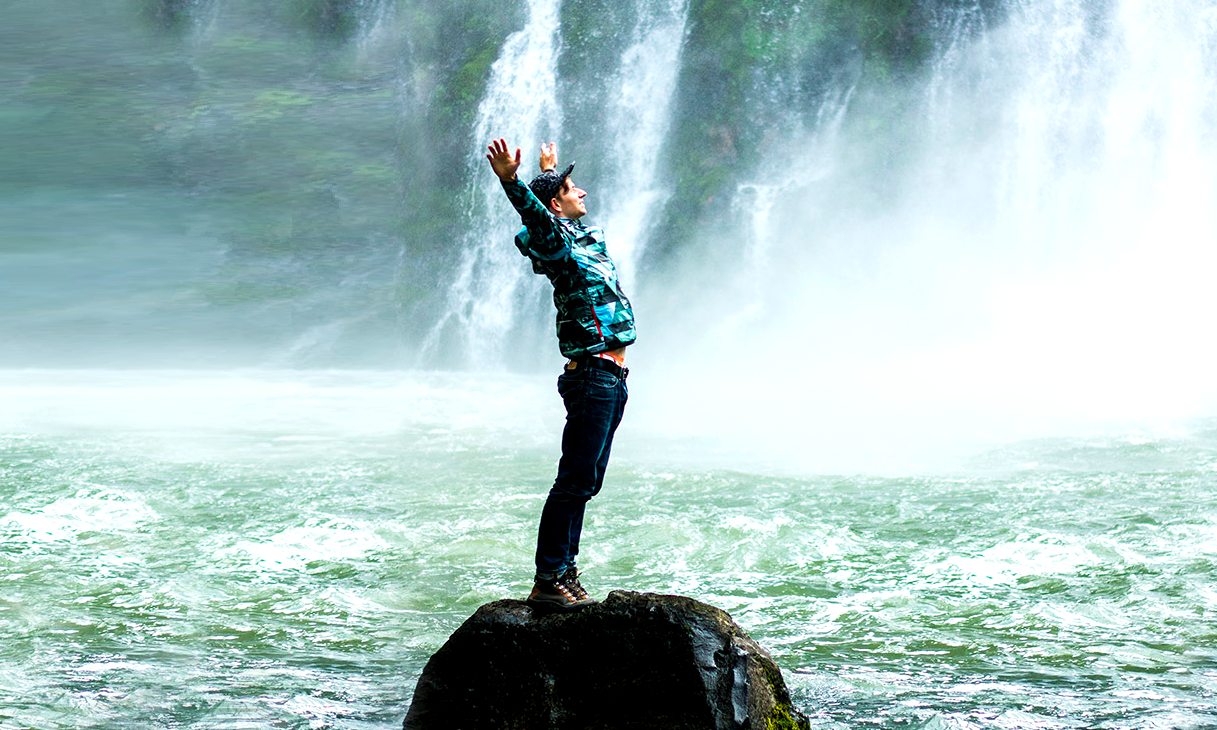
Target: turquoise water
[258,550]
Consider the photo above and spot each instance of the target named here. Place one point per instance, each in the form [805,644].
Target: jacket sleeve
[547,239]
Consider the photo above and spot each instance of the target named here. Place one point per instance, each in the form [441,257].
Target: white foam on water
[1021,720]
[320,712]
[988,686]
[1208,596]
[948,722]
[832,614]
[1006,562]
[1095,618]
[1200,539]
[1139,694]
[295,548]
[116,665]
[67,517]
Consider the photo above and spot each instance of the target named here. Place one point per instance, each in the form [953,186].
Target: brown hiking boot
[571,579]
[557,593]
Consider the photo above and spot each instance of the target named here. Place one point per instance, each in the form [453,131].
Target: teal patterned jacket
[593,313]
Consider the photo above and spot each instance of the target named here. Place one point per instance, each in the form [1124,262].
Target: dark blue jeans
[595,401]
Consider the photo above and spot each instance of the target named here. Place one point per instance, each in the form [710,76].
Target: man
[595,325]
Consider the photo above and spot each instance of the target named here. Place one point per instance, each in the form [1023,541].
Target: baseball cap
[546,185]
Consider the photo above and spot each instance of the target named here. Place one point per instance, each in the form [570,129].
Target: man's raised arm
[549,157]
[501,161]
[547,237]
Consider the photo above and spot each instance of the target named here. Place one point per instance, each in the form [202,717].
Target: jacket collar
[575,223]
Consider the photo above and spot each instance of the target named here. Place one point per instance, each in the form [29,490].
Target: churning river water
[286,550]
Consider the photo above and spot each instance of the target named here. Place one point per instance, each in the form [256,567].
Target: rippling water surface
[287,550]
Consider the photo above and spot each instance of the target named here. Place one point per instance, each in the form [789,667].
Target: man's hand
[501,161]
[549,156]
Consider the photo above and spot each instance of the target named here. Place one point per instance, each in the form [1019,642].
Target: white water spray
[203,15]
[1101,174]
[492,284]
[520,106]
[638,116]
[1044,265]
[375,24]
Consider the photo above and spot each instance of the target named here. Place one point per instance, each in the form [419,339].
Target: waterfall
[520,106]
[755,202]
[493,286]
[375,23]
[1099,160]
[1079,119]
[637,125]
[1034,256]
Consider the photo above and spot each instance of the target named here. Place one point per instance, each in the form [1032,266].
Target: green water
[246,550]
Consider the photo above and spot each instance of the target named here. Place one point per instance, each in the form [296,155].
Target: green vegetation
[781,717]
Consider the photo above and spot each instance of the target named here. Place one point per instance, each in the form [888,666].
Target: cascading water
[1031,261]
[520,105]
[755,203]
[375,23]
[493,287]
[637,124]
[1094,164]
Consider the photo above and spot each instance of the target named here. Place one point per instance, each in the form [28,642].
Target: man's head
[557,193]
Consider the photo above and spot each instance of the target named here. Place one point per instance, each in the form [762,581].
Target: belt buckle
[572,364]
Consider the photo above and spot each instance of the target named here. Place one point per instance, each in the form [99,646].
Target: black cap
[546,185]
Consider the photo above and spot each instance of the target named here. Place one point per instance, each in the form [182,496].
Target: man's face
[568,203]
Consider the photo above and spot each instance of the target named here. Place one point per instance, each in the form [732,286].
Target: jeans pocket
[601,379]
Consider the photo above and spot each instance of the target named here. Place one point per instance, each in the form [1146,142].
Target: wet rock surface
[636,660]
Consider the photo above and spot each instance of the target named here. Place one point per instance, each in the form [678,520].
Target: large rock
[637,660]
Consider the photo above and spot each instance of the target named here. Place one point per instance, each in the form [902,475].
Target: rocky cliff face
[637,660]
